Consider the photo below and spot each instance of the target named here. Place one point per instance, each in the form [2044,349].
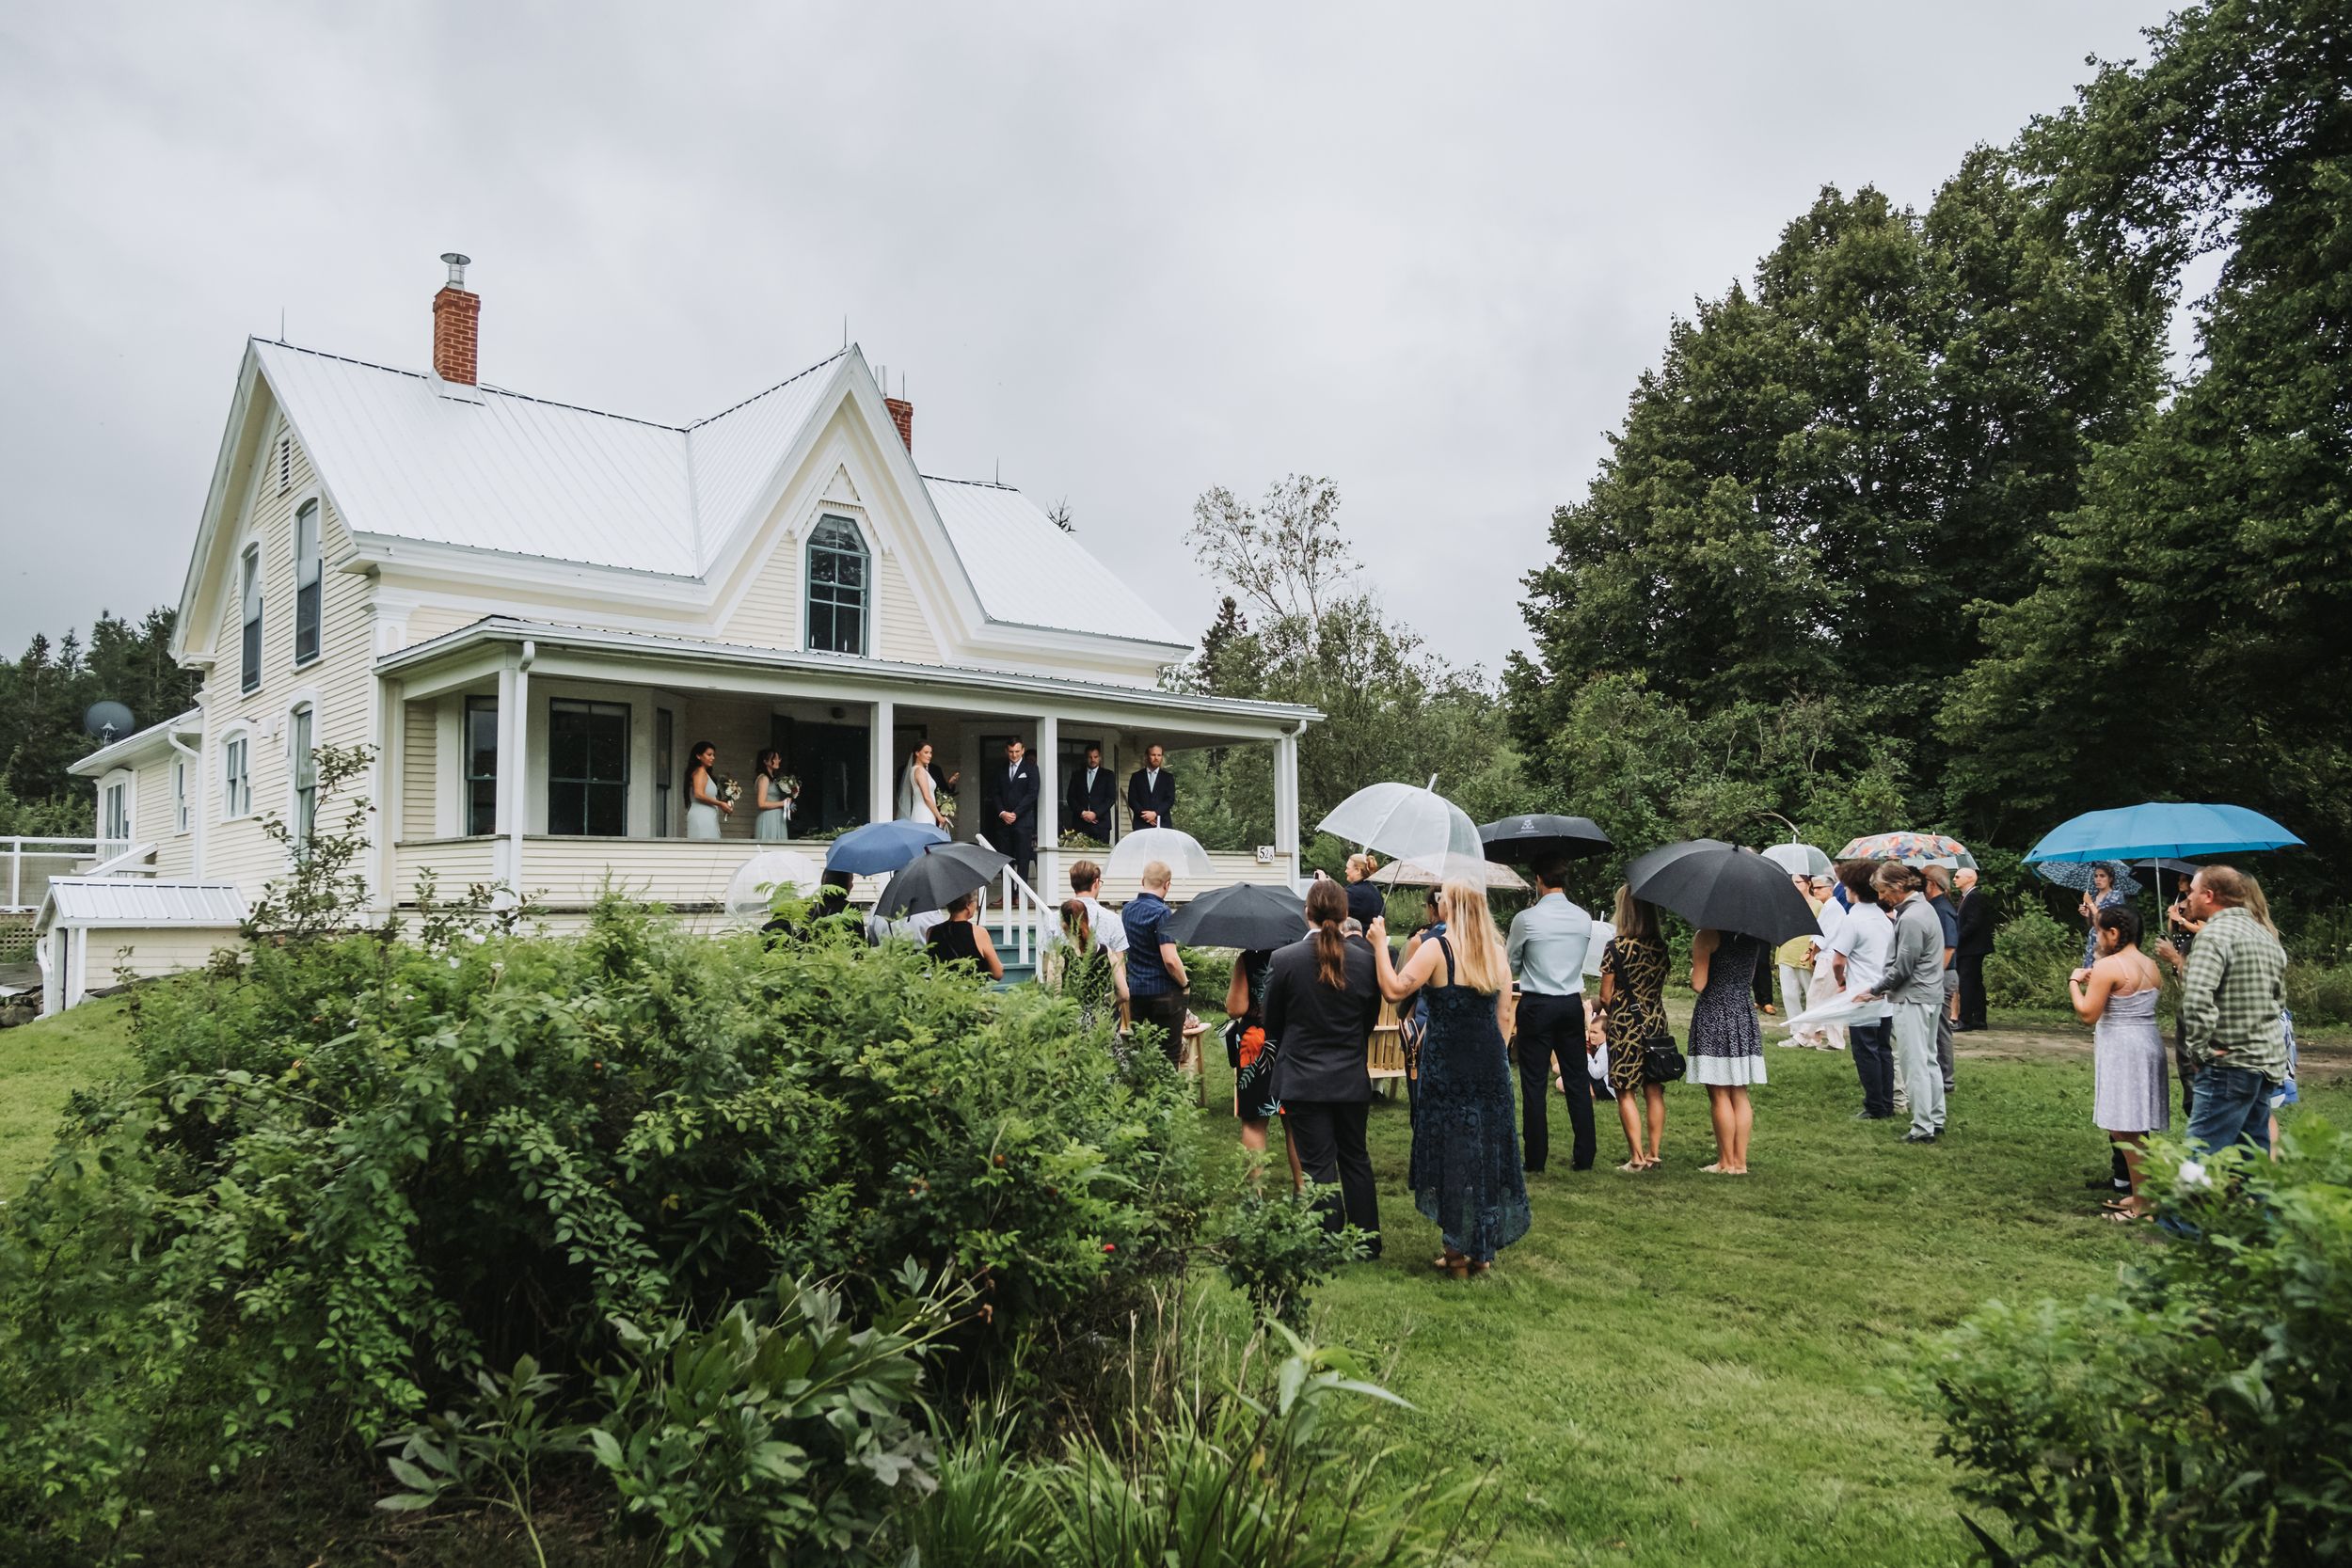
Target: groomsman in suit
[1011,821]
[1093,796]
[1152,792]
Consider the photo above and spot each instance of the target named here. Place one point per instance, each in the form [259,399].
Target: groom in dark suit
[1152,792]
[1092,795]
[1011,822]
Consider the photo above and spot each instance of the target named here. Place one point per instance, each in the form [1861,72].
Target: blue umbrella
[2161,828]
[881,847]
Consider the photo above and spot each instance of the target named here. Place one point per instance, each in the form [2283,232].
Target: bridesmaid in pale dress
[772,805]
[703,805]
[2118,995]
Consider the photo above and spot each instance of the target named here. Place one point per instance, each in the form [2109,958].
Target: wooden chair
[1385,1053]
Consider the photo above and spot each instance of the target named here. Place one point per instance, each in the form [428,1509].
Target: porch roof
[1020,691]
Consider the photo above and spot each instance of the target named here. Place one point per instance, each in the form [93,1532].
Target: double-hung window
[236,776]
[838,583]
[588,769]
[308,587]
[249,590]
[115,812]
[179,795]
[302,763]
[482,765]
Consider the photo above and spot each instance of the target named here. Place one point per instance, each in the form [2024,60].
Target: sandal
[2125,1217]
[1633,1166]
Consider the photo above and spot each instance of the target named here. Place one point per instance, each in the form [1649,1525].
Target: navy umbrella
[1541,838]
[939,877]
[881,847]
[1725,889]
[1245,915]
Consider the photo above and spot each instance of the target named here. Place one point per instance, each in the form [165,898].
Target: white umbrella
[756,879]
[1406,822]
[1436,870]
[1799,860]
[1180,850]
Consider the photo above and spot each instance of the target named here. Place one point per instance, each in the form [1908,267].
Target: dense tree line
[1912,527]
[44,694]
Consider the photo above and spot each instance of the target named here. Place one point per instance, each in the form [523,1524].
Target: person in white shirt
[1865,940]
[1110,932]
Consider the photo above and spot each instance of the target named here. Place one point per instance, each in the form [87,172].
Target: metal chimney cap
[458,265]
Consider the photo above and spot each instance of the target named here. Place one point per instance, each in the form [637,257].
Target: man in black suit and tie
[1093,795]
[1152,792]
[1975,945]
[1011,824]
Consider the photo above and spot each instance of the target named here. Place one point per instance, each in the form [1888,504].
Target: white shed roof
[139,901]
[408,457]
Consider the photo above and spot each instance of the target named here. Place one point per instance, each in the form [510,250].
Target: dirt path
[2325,1062]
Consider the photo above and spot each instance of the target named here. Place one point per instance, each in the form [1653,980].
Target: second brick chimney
[457,325]
[901,415]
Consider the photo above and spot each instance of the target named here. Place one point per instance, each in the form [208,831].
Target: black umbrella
[1725,889]
[937,878]
[1541,839]
[1245,915]
[1638,869]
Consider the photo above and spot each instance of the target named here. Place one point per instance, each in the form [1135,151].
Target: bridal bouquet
[787,786]
[727,789]
[947,808]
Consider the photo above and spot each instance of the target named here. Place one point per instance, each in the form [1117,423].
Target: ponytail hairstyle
[1327,907]
[2124,921]
[1075,925]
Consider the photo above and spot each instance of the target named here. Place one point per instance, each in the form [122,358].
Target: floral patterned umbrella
[1910,848]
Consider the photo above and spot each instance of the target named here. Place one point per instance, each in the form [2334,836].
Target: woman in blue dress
[2104,895]
[1466,1174]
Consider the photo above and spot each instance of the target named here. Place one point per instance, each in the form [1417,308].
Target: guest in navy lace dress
[1466,1174]
[1727,1045]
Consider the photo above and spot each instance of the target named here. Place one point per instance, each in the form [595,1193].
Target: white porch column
[1049,805]
[512,684]
[883,786]
[1286,799]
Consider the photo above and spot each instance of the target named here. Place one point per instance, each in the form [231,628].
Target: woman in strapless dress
[2117,994]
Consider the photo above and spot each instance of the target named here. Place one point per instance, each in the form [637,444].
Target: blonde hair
[1636,920]
[1479,959]
[1156,875]
[1360,866]
[2256,904]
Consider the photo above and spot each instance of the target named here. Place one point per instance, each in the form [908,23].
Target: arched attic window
[839,581]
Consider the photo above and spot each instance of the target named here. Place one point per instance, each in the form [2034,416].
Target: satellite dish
[108,721]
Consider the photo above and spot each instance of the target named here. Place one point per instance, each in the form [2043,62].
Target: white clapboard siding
[456,864]
[420,771]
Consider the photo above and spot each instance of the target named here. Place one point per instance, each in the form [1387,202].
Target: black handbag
[1661,1062]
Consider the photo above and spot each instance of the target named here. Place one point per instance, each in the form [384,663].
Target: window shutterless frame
[839,579]
[588,769]
[236,776]
[309,587]
[482,765]
[302,768]
[249,593]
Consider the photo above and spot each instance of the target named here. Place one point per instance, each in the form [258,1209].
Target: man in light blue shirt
[1548,943]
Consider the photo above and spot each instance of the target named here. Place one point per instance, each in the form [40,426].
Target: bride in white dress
[917,802]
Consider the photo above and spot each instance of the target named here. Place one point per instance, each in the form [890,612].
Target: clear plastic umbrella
[755,881]
[1798,860]
[1180,850]
[1406,822]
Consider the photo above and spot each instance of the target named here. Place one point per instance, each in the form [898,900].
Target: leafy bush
[1276,1249]
[1208,972]
[2320,993]
[358,1172]
[2032,956]
[2199,1413]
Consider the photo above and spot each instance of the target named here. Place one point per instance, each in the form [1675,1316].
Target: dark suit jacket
[1141,797]
[1975,925]
[1017,795]
[1101,799]
[1321,1032]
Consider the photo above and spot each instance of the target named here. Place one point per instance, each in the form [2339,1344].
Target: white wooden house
[529,610]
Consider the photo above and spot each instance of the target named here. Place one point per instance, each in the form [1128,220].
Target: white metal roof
[140,901]
[495,470]
[1028,573]
[136,744]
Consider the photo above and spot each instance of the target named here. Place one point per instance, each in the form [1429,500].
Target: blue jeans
[2232,1106]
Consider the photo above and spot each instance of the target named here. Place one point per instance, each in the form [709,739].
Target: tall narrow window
[308,589]
[179,795]
[250,589]
[664,767]
[115,812]
[588,769]
[836,587]
[482,765]
[236,777]
[302,763]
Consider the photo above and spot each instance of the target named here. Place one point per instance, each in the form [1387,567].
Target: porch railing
[1021,911]
[31,862]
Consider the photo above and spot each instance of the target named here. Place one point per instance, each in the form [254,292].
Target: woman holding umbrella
[1727,1045]
[2102,894]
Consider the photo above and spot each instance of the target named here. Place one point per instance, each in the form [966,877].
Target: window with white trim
[309,585]
[236,776]
[249,593]
[180,795]
[838,579]
[482,765]
[114,811]
[302,770]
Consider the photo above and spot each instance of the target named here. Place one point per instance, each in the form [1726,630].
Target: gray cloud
[1125,253]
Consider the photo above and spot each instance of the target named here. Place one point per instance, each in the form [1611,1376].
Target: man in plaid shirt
[2232,996]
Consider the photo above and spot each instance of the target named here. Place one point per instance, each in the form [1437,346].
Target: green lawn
[1677,1369]
[1672,1369]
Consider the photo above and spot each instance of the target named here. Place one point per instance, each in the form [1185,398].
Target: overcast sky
[1120,253]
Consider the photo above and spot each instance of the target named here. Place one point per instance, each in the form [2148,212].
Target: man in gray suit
[1914,984]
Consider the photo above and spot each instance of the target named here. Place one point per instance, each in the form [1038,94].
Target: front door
[834,764]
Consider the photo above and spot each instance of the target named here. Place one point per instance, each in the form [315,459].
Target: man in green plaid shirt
[2232,996]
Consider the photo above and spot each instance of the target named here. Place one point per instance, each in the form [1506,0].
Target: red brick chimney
[457,325]
[901,415]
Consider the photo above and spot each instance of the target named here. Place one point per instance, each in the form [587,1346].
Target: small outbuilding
[128,928]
